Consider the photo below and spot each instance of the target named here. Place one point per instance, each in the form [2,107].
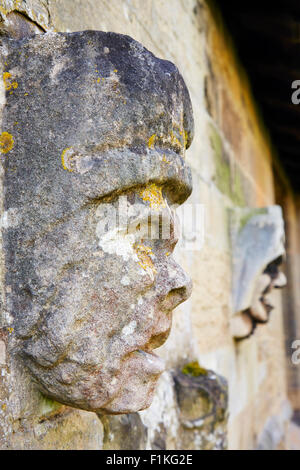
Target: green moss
[194,369]
[228,183]
[222,167]
[238,193]
[48,406]
[251,213]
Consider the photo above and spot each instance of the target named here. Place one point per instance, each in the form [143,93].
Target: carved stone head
[258,248]
[95,129]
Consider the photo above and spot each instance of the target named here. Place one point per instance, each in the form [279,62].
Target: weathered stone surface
[189,411]
[274,435]
[89,117]
[257,249]
[161,418]
[189,34]
[35,11]
[125,432]
[65,430]
[18,26]
[202,398]
[2,352]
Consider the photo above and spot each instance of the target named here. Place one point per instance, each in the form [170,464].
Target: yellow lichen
[4,11]
[144,254]
[10,330]
[98,80]
[153,195]
[3,406]
[164,159]
[7,84]
[6,142]
[6,76]
[151,141]
[64,163]
[186,138]
[174,140]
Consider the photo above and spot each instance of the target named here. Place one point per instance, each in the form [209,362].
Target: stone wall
[232,164]
[291,295]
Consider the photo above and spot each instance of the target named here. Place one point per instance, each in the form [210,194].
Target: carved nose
[180,294]
[179,288]
[280,281]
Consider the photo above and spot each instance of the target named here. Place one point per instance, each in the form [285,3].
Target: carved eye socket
[273,268]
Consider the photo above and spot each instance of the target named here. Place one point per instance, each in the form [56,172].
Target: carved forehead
[90,113]
[107,87]
[258,235]
[257,240]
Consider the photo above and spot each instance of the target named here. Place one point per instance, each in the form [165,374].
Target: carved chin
[137,383]
[131,391]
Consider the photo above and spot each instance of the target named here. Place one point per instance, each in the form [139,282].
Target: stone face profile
[258,248]
[94,133]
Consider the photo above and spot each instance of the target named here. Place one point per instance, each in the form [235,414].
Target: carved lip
[268,307]
[155,363]
[154,342]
